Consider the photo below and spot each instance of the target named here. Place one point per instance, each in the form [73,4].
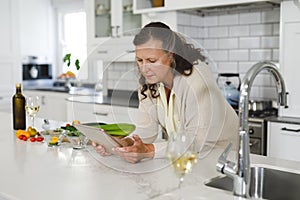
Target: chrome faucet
[240,171]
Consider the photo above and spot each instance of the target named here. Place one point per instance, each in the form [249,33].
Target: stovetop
[263,113]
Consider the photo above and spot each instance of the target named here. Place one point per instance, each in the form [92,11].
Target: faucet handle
[223,158]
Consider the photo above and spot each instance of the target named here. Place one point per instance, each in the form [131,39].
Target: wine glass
[32,107]
[181,151]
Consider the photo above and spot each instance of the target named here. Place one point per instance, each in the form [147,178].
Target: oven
[36,72]
[257,134]
[258,130]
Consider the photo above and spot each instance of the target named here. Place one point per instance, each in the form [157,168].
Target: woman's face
[154,63]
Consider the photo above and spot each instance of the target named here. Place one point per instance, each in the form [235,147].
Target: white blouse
[196,105]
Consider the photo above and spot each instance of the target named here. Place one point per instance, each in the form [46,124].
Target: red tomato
[68,124]
[21,137]
[24,138]
[39,139]
[32,139]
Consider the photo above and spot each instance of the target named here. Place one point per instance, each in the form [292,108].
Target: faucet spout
[240,171]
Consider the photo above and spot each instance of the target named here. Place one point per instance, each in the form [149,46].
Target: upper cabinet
[10,60]
[145,6]
[289,54]
[109,19]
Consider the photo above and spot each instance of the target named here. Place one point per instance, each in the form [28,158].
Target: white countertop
[34,171]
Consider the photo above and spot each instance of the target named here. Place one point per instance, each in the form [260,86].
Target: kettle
[229,91]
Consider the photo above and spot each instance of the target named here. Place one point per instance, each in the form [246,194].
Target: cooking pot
[260,105]
[229,91]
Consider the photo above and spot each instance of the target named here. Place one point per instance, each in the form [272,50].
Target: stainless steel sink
[266,183]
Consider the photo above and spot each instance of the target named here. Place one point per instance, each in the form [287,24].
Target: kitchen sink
[266,183]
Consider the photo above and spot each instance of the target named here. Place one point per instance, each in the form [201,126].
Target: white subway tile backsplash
[210,43]
[210,21]
[250,18]
[228,43]
[184,19]
[216,32]
[270,42]
[276,29]
[192,31]
[275,55]
[254,93]
[196,20]
[238,55]
[262,79]
[201,32]
[260,54]
[249,42]
[268,92]
[227,67]
[239,31]
[270,16]
[231,19]
[261,29]
[180,29]
[218,55]
[205,32]
[233,41]
[244,66]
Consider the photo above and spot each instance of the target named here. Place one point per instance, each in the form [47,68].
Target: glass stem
[181,179]
[32,119]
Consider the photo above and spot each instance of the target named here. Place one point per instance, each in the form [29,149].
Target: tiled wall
[122,76]
[233,39]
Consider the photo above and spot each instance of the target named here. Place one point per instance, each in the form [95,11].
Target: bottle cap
[18,85]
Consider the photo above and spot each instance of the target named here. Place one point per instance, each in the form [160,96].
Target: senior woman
[177,92]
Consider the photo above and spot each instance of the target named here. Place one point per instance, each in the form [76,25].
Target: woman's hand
[135,152]
[100,149]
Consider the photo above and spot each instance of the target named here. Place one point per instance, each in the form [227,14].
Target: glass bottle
[19,114]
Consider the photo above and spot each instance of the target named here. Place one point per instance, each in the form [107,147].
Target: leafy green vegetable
[77,64]
[118,129]
[72,131]
[67,59]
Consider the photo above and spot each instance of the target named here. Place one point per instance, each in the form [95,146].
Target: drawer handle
[253,143]
[102,51]
[130,51]
[100,113]
[289,129]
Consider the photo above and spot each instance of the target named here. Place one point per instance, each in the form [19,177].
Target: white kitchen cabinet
[110,18]
[89,112]
[53,104]
[10,59]
[289,55]
[283,140]
[146,6]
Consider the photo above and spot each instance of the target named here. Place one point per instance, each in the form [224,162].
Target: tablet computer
[99,136]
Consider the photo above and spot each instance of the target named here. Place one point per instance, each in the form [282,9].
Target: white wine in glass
[32,107]
[182,153]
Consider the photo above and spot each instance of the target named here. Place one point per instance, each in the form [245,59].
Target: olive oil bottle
[18,104]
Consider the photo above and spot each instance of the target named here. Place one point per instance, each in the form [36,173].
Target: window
[73,39]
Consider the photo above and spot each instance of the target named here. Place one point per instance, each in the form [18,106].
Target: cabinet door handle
[100,113]
[130,51]
[289,129]
[102,51]
[43,100]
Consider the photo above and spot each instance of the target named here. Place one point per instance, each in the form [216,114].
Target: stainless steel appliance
[36,72]
[258,129]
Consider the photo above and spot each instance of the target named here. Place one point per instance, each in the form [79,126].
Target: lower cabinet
[89,112]
[284,140]
[53,104]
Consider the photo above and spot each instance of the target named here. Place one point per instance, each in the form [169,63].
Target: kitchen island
[34,171]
